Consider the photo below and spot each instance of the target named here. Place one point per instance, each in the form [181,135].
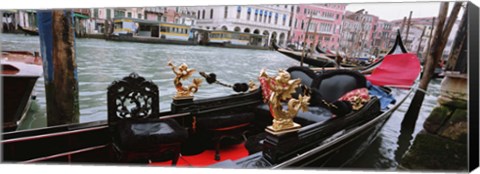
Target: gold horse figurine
[183,73]
[280,88]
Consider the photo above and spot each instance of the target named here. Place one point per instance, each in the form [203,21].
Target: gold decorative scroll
[183,73]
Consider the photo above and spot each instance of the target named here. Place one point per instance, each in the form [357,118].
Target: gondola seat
[332,85]
[133,119]
[224,125]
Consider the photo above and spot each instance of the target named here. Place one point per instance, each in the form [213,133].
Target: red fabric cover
[357,97]
[266,91]
[396,70]
[206,158]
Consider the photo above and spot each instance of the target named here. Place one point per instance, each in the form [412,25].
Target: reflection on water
[100,62]
[387,150]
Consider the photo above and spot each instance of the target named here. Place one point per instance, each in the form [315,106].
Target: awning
[9,11]
[80,15]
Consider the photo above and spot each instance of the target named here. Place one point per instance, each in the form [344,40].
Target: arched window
[248,13]
[198,15]
[211,13]
[203,14]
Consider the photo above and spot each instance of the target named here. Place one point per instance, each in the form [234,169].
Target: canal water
[100,62]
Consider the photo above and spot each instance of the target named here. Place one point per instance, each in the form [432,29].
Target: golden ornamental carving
[278,89]
[182,72]
[252,86]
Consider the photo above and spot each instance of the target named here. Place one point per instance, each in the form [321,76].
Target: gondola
[397,48]
[33,32]
[234,131]
[316,60]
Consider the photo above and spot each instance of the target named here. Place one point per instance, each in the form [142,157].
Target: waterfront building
[271,21]
[324,27]
[179,15]
[358,33]
[82,21]
[382,32]
[11,19]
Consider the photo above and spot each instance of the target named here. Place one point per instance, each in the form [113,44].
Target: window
[276,18]
[265,13]
[109,14]
[211,13]
[129,14]
[95,13]
[119,14]
[298,9]
[239,11]
[198,14]
[248,13]
[260,16]
[269,19]
[301,25]
[203,14]
[256,13]
[226,12]
[139,16]
[284,19]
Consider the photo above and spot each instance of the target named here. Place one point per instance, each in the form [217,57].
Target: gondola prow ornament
[278,89]
[183,73]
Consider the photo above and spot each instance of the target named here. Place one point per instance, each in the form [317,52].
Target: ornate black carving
[132,97]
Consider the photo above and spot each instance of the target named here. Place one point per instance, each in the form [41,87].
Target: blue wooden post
[57,43]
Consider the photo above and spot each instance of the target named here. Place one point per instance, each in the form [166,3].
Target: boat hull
[308,58]
[17,91]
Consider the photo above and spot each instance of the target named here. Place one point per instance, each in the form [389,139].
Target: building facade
[382,32]
[271,21]
[358,30]
[323,23]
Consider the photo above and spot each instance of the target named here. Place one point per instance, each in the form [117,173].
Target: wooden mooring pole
[408,29]
[439,41]
[420,42]
[57,40]
[305,40]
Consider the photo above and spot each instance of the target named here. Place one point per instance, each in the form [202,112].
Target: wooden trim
[66,154]
[53,134]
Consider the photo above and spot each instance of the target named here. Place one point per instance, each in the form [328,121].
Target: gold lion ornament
[183,73]
[278,89]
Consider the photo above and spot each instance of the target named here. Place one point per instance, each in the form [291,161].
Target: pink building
[324,28]
[382,34]
[359,32]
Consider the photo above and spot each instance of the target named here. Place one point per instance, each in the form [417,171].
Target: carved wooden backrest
[132,98]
